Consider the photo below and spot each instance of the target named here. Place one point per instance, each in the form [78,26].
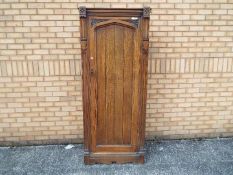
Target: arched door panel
[114,57]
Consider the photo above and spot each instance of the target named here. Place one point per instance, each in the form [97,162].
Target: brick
[28,11]
[45,11]
[52,5]
[189,75]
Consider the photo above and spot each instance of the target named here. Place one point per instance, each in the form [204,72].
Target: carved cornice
[146,12]
[82,12]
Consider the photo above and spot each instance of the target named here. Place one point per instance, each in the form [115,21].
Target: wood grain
[127,83]
[119,52]
[110,82]
[101,84]
[114,63]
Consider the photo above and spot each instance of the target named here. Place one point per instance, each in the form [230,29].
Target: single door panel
[112,57]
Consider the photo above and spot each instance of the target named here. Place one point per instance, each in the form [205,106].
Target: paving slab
[173,157]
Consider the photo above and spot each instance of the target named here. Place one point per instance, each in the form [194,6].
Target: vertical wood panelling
[101,87]
[136,89]
[110,80]
[118,96]
[118,85]
[127,84]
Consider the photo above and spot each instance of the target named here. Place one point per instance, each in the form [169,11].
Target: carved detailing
[135,22]
[83,45]
[146,12]
[95,21]
[82,12]
[145,46]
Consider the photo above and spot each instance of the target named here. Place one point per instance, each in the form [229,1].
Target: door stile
[85,77]
[144,64]
[93,84]
[136,89]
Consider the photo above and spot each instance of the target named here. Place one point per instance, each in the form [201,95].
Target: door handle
[92,65]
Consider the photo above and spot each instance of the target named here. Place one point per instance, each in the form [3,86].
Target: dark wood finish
[114,45]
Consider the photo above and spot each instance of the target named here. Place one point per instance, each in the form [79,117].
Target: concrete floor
[183,157]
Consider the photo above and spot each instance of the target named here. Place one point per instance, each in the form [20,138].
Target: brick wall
[190,87]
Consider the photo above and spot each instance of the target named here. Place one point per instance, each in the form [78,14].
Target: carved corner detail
[83,45]
[145,46]
[146,12]
[82,12]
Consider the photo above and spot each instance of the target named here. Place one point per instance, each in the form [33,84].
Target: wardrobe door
[114,78]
